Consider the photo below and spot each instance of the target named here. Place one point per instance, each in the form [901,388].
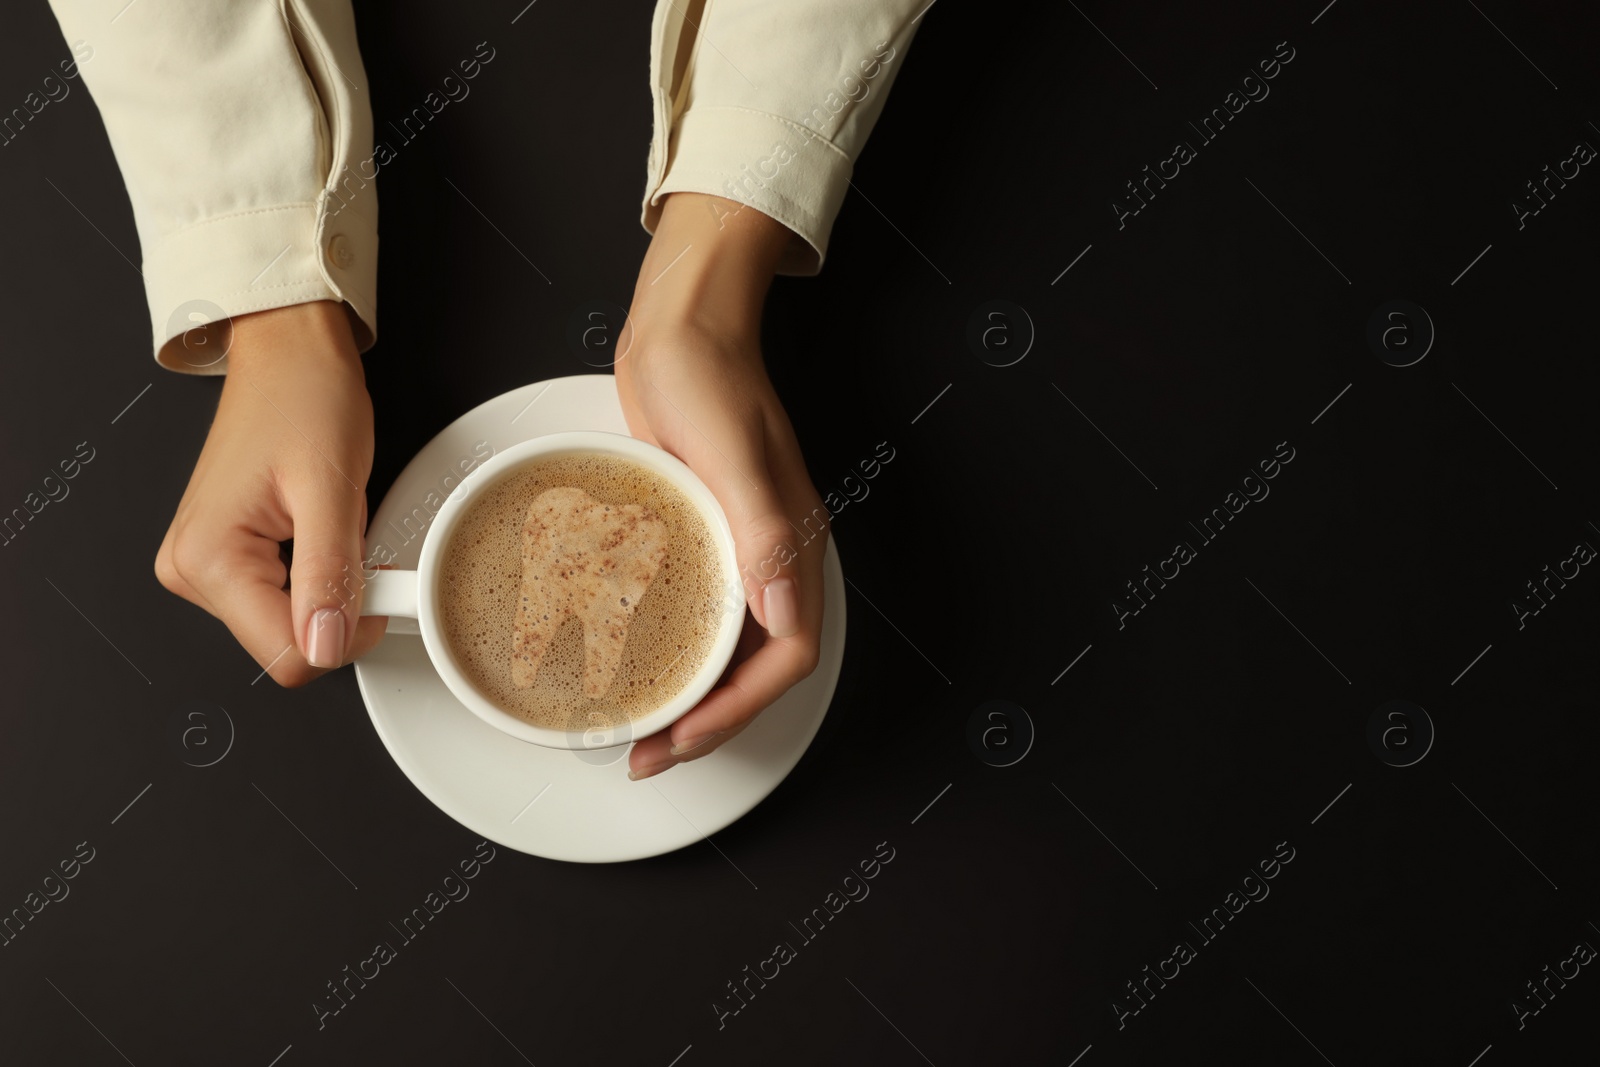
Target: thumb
[766,545]
[326,576]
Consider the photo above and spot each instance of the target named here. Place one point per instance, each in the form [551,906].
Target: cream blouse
[245,136]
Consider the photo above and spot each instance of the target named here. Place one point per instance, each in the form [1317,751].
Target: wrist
[317,333]
[708,267]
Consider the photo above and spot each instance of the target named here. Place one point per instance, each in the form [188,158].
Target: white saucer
[565,805]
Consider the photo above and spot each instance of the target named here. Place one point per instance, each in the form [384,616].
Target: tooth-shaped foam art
[588,559]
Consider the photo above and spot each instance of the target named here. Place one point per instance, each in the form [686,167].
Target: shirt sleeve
[769,102]
[244,135]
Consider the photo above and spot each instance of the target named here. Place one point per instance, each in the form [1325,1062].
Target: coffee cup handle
[393,593]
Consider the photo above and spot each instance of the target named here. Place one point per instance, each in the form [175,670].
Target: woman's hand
[691,381]
[287,457]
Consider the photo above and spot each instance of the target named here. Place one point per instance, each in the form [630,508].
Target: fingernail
[325,639]
[651,770]
[691,744]
[783,611]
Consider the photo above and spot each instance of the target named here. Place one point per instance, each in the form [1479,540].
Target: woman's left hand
[691,381]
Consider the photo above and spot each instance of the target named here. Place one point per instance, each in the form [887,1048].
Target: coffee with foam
[570,532]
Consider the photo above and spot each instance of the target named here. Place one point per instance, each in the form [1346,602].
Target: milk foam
[673,626]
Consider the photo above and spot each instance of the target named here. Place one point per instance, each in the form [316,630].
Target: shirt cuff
[780,168]
[255,260]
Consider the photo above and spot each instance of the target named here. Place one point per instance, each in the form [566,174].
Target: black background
[1211,728]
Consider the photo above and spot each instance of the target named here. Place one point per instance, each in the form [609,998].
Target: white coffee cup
[411,598]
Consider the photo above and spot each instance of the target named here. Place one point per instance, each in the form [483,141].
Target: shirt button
[339,253]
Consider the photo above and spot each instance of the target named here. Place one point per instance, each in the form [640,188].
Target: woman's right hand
[287,458]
